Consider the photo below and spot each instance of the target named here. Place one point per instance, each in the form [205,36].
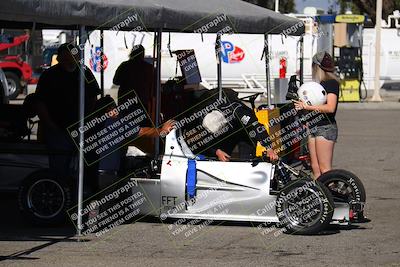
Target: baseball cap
[324,61]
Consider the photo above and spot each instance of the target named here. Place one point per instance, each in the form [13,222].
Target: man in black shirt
[135,74]
[135,77]
[58,94]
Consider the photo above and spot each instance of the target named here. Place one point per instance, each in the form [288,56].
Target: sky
[301,4]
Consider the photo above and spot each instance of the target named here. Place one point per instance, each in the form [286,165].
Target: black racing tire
[44,200]
[14,84]
[346,187]
[304,207]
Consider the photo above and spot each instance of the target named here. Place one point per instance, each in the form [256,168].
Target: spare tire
[43,199]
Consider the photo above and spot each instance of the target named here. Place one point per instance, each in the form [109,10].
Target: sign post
[377,97]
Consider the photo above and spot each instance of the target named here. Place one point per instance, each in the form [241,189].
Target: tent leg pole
[267,75]
[153,92]
[219,66]
[102,62]
[301,60]
[158,89]
[81,124]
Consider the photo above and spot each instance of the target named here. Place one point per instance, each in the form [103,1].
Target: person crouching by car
[323,137]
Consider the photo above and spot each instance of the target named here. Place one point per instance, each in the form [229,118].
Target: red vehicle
[18,72]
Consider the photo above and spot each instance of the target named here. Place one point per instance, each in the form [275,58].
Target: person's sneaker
[362,219]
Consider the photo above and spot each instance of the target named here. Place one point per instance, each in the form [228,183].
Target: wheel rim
[12,86]
[305,209]
[46,198]
[342,190]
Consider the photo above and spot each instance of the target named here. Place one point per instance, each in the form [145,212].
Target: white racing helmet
[214,121]
[312,93]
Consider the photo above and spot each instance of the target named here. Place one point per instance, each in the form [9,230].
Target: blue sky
[300,4]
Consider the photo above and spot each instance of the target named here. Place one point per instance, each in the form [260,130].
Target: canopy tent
[139,15]
[169,15]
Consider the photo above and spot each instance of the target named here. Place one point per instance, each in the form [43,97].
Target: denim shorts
[329,132]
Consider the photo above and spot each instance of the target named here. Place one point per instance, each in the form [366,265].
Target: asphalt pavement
[368,145]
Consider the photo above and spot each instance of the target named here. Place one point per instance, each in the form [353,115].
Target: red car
[18,72]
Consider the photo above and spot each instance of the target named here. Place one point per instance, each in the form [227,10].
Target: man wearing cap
[324,133]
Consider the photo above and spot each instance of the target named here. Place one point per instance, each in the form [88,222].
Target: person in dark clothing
[227,124]
[135,77]
[58,94]
[247,133]
[135,74]
[324,133]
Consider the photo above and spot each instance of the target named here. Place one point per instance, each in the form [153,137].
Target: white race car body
[232,191]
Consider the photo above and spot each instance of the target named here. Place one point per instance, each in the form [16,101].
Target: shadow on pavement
[22,255]
[332,229]
[15,228]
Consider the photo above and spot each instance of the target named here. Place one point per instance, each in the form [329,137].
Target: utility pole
[376,96]
[276,5]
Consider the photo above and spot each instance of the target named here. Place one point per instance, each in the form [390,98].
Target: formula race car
[255,190]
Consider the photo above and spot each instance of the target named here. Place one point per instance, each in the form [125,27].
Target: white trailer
[242,67]
[390,56]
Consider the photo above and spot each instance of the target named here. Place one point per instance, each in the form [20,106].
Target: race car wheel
[344,186]
[44,200]
[304,207]
[14,85]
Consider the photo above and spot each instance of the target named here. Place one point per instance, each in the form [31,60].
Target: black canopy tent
[150,15]
[169,15]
